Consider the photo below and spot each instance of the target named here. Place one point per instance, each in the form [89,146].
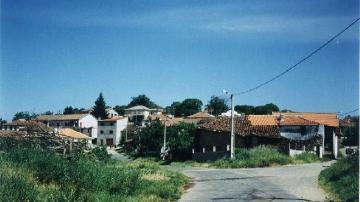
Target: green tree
[48,113]
[120,109]
[216,105]
[72,110]
[100,108]
[351,133]
[266,109]
[142,100]
[24,115]
[2,121]
[246,109]
[172,109]
[189,106]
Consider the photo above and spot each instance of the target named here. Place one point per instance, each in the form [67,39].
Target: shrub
[16,188]
[101,153]
[341,179]
[306,157]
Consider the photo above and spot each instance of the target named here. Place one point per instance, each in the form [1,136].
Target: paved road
[287,183]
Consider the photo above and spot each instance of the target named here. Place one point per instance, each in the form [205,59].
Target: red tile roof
[296,121]
[328,119]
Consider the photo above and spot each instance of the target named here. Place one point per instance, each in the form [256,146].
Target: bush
[47,176]
[341,179]
[16,188]
[101,153]
[306,157]
[261,156]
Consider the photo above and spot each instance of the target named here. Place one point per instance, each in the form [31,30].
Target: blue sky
[59,53]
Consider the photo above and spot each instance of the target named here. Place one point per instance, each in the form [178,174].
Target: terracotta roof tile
[263,120]
[328,119]
[296,121]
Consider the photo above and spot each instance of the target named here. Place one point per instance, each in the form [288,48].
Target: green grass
[263,156]
[33,174]
[341,179]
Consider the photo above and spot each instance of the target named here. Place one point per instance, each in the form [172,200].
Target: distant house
[84,123]
[109,131]
[228,113]
[25,125]
[288,133]
[139,114]
[112,113]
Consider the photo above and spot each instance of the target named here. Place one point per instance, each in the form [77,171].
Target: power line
[298,63]
[349,112]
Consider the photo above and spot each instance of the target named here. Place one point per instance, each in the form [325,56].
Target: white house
[112,113]
[138,114]
[85,123]
[109,131]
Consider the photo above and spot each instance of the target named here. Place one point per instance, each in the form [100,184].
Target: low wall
[210,156]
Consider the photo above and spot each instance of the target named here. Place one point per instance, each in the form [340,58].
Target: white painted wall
[89,121]
[104,130]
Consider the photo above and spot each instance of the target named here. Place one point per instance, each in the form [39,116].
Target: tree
[48,113]
[100,108]
[258,110]
[246,109]
[71,110]
[266,109]
[2,121]
[24,115]
[216,105]
[189,106]
[172,109]
[142,100]
[351,133]
[120,109]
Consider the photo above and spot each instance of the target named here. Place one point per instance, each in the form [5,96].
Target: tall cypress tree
[100,108]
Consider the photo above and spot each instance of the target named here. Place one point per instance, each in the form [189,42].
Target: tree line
[215,106]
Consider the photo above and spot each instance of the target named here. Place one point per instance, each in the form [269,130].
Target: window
[58,124]
[111,131]
[101,131]
[101,124]
[111,124]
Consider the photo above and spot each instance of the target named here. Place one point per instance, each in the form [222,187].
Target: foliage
[100,108]
[351,133]
[174,109]
[246,109]
[120,109]
[24,115]
[142,100]
[48,113]
[262,156]
[2,121]
[217,105]
[72,110]
[259,110]
[341,179]
[28,173]
[185,108]
[101,153]
[179,138]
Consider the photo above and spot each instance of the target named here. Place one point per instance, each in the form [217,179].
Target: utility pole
[232,140]
[232,146]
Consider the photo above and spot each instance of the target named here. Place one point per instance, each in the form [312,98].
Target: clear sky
[59,53]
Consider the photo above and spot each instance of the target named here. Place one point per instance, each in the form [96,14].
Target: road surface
[286,183]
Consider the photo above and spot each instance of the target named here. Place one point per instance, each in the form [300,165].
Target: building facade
[110,131]
[84,123]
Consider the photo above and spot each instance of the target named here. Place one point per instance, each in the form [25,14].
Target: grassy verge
[263,156]
[341,179]
[29,173]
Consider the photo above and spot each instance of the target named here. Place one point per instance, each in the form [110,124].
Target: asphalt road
[286,183]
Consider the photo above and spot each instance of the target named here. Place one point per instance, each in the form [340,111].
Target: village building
[111,113]
[110,131]
[139,114]
[290,134]
[84,123]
